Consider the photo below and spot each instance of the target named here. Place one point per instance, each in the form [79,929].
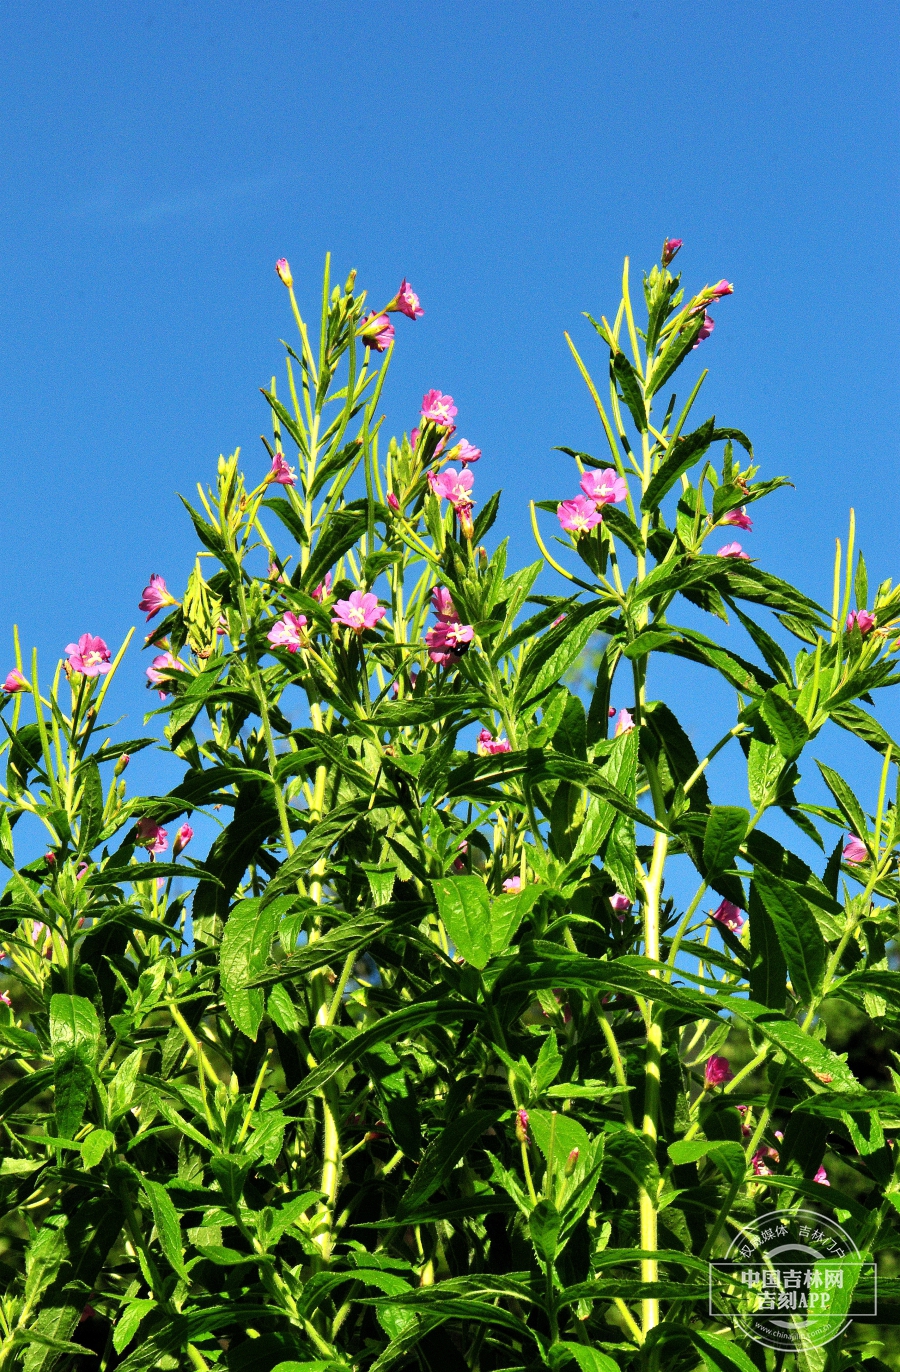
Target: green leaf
[75,1040]
[622,526]
[846,800]
[680,457]
[91,809]
[797,932]
[244,954]
[441,1157]
[673,354]
[98,1142]
[588,1359]
[129,1321]
[566,1133]
[768,969]
[550,657]
[721,1355]
[338,537]
[168,1229]
[507,913]
[788,728]
[726,828]
[632,391]
[727,1156]
[465,908]
[543,1225]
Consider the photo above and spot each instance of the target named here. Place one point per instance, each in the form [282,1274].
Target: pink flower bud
[15,682]
[822,1177]
[706,329]
[571,1162]
[855,850]
[323,590]
[182,839]
[121,764]
[863,620]
[717,1071]
[621,904]
[284,271]
[393,501]
[722,288]
[522,1124]
[671,248]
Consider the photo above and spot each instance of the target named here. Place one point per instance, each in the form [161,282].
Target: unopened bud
[466,527]
[121,764]
[670,248]
[284,271]
[571,1162]
[482,559]
[182,839]
[393,501]
[522,1124]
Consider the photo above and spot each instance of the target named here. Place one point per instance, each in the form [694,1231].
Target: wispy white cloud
[202,200]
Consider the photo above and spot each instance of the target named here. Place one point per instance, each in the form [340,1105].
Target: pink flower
[513,885]
[439,408]
[822,1177]
[288,632]
[447,641]
[323,590]
[729,915]
[670,249]
[81,871]
[15,682]
[164,663]
[739,518]
[281,473]
[89,656]
[855,850]
[522,1124]
[488,746]
[863,620]
[406,302]
[442,603]
[151,836]
[467,452]
[733,550]
[621,904]
[759,1165]
[453,486]
[624,723]
[5,1000]
[722,288]
[284,271]
[578,516]
[155,596]
[274,573]
[377,332]
[393,501]
[604,488]
[182,839]
[361,611]
[717,1071]
[706,329]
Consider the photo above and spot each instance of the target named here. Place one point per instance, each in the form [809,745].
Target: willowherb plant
[428,1067]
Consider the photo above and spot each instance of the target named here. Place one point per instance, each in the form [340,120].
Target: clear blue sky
[159,156]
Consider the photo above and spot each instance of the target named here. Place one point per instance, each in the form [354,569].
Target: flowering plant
[427,1059]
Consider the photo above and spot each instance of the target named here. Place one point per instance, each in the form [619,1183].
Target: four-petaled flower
[151,836]
[15,682]
[439,408]
[182,839]
[739,518]
[284,271]
[360,612]
[89,656]
[377,332]
[729,915]
[288,632]
[863,619]
[406,302]
[578,516]
[624,723]
[717,1071]
[447,641]
[604,488]
[706,329]
[733,550]
[513,885]
[164,662]
[453,486]
[442,603]
[855,850]
[467,452]
[488,746]
[155,596]
[670,249]
[281,473]
[323,590]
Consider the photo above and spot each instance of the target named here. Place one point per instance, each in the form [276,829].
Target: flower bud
[522,1124]
[284,271]
[571,1163]
[121,764]
[182,839]
[393,501]
[671,248]
[466,527]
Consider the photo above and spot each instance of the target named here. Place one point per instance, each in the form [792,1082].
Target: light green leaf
[168,1229]
[245,951]
[788,728]
[543,1224]
[465,908]
[98,1142]
[725,831]
[727,1156]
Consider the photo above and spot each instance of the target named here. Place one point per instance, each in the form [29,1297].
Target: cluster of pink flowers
[165,662]
[729,915]
[359,612]
[449,638]
[855,850]
[862,619]
[155,595]
[488,746]
[89,656]
[289,632]
[585,512]
[717,1071]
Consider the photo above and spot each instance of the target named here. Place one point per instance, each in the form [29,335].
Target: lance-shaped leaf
[632,391]
[768,968]
[244,954]
[465,908]
[679,458]
[75,1040]
[846,800]
[788,728]
[551,656]
[726,827]
[797,932]
[441,1157]
[168,1228]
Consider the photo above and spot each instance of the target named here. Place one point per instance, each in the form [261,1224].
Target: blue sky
[159,157]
